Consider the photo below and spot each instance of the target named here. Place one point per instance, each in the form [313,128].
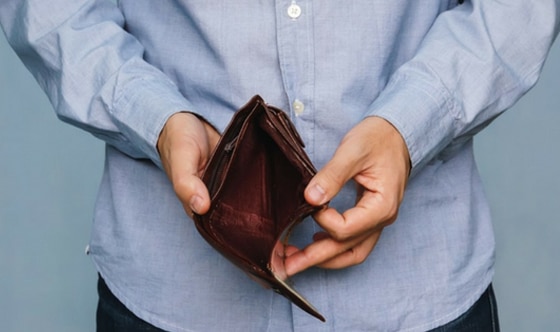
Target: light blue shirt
[438,71]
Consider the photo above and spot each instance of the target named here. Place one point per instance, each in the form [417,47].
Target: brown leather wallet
[256,178]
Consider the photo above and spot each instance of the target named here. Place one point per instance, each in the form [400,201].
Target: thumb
[184,150]
[332,177]
[185,168]
[193,193]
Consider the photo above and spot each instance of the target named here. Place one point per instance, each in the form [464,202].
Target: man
[385,95]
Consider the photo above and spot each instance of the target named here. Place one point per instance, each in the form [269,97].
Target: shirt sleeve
[93,71]
[475,62]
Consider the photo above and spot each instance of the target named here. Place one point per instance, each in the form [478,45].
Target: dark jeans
[113,316]
[481,317]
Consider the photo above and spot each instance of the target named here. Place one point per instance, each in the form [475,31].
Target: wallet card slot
[218,166]
[296,151]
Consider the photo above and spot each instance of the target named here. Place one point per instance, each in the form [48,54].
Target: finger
[184,145]
[186,182]
[193,194]
[212,134]
[353,256]
[318,253]
[290,250]
[320,236]
[371,213]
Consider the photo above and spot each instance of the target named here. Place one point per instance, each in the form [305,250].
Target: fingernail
[316,194]
[196,203]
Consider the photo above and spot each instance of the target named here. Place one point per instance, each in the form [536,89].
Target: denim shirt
[438,70]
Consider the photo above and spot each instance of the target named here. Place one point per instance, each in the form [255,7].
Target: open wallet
[256,178]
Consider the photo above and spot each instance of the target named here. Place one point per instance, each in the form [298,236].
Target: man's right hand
[185,145]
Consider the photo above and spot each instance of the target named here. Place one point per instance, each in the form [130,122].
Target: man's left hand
[375,155]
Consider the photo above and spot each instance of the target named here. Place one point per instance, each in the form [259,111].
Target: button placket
[295,51]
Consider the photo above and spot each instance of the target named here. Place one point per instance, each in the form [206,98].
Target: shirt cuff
[142,104]
[423,112]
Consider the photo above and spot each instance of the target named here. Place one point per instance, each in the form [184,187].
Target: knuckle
[182,186]
[341,235]
[331,178]
[391,213]
[359,256]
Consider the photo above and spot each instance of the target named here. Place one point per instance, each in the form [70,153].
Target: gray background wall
[49,173]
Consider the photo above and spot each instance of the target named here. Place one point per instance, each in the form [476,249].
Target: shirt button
[298,106]
[294,11]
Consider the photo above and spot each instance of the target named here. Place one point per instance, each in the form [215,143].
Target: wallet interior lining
[261,211]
